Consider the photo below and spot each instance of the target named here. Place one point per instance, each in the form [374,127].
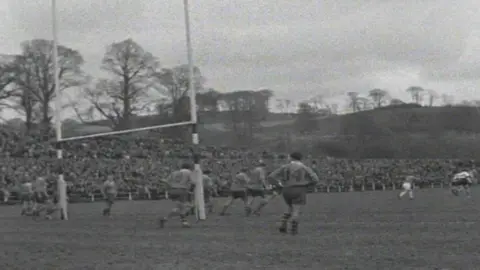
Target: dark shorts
[238,194]
[295,195]
[256,193]
[461,183]
[110,198]
[207,195]
[179,195]
[41,197]
[27,197]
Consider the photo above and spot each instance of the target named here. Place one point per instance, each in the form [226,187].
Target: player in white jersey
[462,182]
[407,187]
[109,192]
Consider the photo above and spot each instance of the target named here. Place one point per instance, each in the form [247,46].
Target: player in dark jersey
[257,188]
[179,184]
[238,190]
[295,178]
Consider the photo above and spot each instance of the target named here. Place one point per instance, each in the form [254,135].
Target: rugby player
[294,178]
[257,187]
[42,201]
[5,190]
[109,192]
[462,182]
[407,187]
[180,184]
[26,197]
[209,190]
[238,190]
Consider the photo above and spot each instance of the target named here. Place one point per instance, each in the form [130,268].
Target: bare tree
[126,94]
[364,104]
[416,93]
[7,77]
[396,101]
[316,102]
[35,75]
[432,97]
[280,105]
[353,101]
[378,97]
[247,109]
[208,101]
[174,84]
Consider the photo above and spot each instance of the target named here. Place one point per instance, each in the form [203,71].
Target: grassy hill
[404,131]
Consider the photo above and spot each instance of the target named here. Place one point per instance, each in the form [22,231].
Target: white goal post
[198,176]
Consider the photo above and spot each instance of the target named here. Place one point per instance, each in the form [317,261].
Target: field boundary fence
[155,194]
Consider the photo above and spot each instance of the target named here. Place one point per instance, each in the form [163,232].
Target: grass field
[370,230]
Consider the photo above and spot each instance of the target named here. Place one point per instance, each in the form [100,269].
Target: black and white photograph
[238,135]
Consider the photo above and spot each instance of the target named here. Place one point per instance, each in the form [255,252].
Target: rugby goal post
[198,176]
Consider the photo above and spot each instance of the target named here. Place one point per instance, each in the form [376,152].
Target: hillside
[395,131]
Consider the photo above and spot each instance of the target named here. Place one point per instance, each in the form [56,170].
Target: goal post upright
[198,175]
[61,185]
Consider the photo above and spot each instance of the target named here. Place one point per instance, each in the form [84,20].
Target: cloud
[298,48]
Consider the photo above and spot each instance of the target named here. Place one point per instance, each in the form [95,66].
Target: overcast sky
[297,48]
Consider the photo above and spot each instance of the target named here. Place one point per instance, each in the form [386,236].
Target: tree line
[135,85]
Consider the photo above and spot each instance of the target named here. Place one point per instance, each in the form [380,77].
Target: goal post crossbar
[110,133]
[197,171]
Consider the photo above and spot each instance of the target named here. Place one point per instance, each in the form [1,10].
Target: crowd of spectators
[140,162]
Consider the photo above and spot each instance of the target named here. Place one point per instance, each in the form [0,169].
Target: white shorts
[407,186]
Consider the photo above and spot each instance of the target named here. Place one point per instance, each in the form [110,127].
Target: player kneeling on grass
[407,187]
[295,178]
[179,185]
[238,190]
[43,202]
[27,198]
[109,192]
[257,187]
[462,182]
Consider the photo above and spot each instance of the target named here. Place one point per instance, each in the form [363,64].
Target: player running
[238,190]
[407,187]
[294,177]
[462,182]
[257,188]
[180,184]
[109,192]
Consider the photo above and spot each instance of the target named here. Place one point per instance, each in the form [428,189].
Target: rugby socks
[248,210]
[283,222]
[184,221]
[259,208]
[224,210]
[294,228]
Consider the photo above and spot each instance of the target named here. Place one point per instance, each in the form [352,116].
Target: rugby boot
[284,223]
[106,212]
